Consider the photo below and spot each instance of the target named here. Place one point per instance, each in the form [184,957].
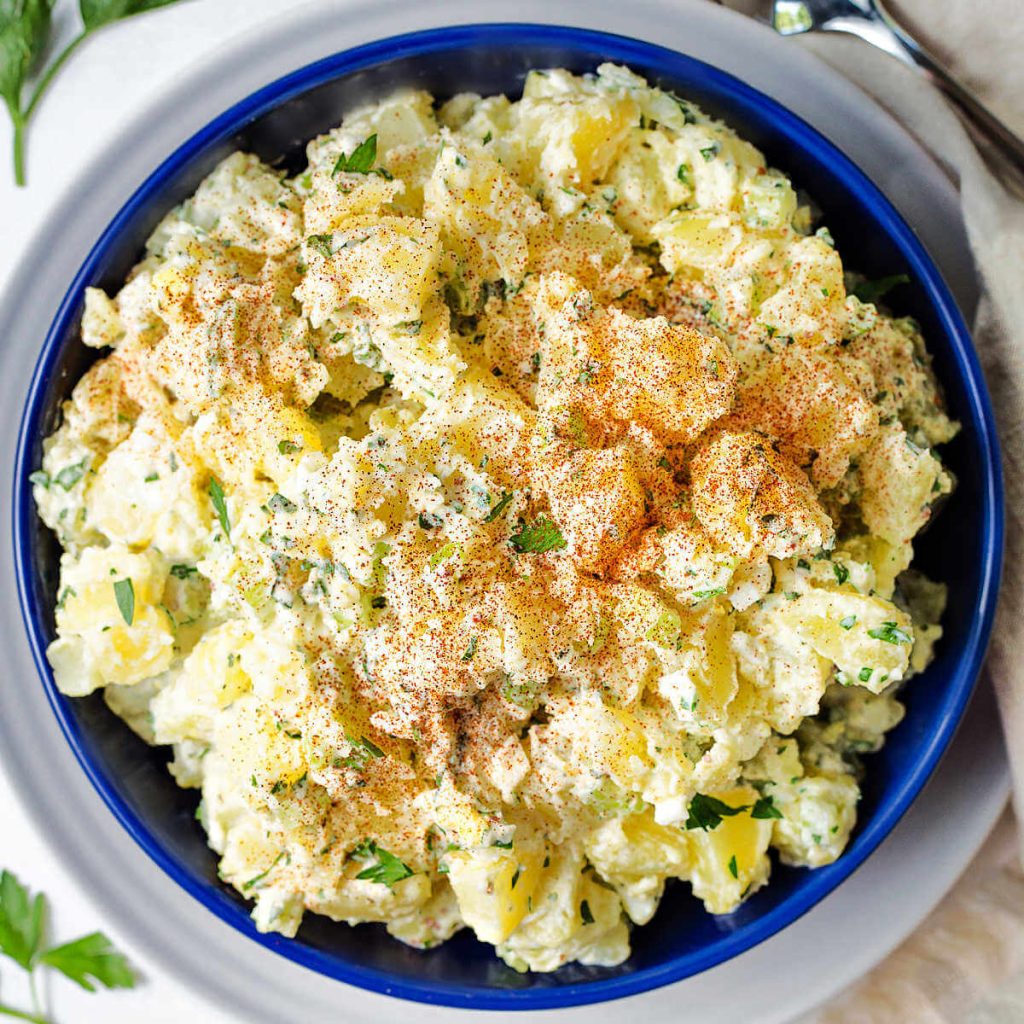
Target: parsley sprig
[707,812]
[25,30]
[388,868]
[537,537]
[89,961]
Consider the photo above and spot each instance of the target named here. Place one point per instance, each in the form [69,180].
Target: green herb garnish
[87,961]
[538,537]
[360,160]
[891,634]
[506,497]
[706,812]
[872,291]
[585,913]
[388,870]
[220,507]
[25,30]
[124,594]
[765,808]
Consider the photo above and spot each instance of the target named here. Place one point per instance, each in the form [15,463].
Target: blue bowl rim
[729,90]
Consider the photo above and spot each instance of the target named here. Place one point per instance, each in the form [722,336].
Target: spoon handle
[983,123]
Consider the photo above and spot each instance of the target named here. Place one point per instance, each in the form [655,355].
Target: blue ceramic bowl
[963,548]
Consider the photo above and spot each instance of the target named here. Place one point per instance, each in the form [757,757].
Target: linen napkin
[965,964]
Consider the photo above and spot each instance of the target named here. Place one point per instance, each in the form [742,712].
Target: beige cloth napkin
[965,964]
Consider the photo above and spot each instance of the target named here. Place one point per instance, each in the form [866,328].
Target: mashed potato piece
[500,518]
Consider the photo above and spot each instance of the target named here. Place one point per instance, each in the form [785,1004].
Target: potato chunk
[662,376]
[748,495]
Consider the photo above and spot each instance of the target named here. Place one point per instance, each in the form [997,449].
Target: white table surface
[106,81]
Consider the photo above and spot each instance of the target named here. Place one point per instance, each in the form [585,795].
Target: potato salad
[508,514]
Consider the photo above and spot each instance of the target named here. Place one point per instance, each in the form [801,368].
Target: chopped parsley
[263,874]
[706,812]
[710,152]
[733,869]
[585,913]
[470,650]
[506,497]
[216,493]
[279,503]
[70,475]
[388,870]
[683,174]
[890,633]
[124,594]
[288,447]
[872,291]
[842,573]
[362,750]
[703,595]
[429,521]
[182,572]
[865,674]
[360,160]
[848,622]
[321,244]
[765,808]
[538,537]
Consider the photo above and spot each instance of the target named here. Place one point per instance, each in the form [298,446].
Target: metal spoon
[873,22]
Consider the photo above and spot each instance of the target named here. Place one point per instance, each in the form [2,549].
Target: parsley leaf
[253,882]
[872,291]
[470,650]
[24,30]
[360,160]
[362,750]
[848,621]
[321,244]
[124,594]
[733,868]
[710,152]
[765,808]
[97,13]
[842,573]
[21,921]
[388,870]
[585,913]
[506,497]
[288,447]
[70,475]
[182,572]
[24,33]
[891,634]
[85,961]
[538,537]
[216,493]
[706,812]
[429,521]
[91,959]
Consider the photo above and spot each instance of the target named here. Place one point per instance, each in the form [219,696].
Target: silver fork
[873,22]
